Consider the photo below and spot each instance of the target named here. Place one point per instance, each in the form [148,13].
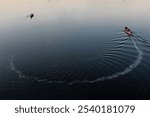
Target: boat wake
[118,74]
[131,67]
[21,75]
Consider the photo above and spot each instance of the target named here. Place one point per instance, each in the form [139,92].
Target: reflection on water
[74,49]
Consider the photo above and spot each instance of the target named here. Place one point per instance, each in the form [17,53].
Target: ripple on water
[119,60]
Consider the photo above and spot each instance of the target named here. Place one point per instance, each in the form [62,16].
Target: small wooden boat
[128,31]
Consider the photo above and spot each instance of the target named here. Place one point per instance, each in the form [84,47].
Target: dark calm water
[74,49]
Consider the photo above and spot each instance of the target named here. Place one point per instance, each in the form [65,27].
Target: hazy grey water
[73,42]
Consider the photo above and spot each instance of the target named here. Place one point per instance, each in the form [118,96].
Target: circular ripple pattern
[123,54]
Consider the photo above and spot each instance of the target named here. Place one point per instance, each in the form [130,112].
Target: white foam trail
[128,69]
[22,76]
[18,72]
[116,75]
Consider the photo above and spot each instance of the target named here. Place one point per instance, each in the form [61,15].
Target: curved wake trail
[22,76]
[128,69]
[116,75]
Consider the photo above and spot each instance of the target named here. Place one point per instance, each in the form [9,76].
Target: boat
[128,31]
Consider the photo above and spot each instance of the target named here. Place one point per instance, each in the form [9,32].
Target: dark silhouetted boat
[31,15]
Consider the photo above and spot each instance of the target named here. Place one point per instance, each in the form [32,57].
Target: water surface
[74,49]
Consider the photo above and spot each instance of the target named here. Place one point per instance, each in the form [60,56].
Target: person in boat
[128,31]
